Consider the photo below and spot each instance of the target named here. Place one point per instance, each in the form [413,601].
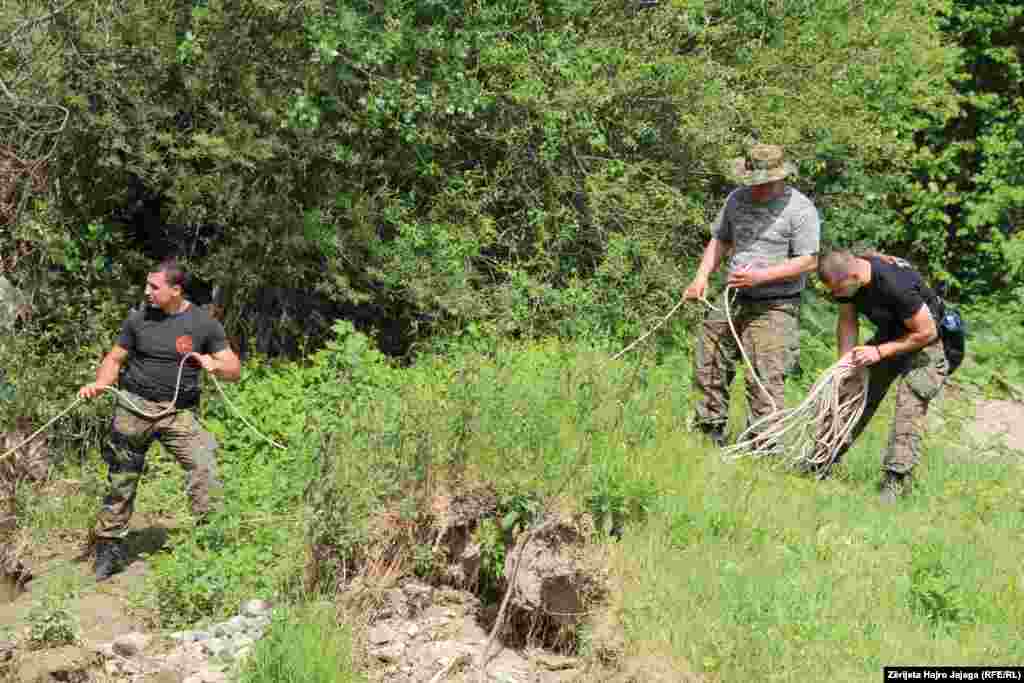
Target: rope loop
[124,398]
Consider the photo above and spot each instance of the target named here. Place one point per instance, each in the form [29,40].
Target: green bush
[303,645]
[994,362]
[52,621]
[934,593]
[252,544]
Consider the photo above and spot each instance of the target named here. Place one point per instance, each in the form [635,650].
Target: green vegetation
[303,646]
[515,168]
[737,569]
[51,621]
[500,195]
[996,362]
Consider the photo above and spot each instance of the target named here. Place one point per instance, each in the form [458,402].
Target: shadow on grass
[145,542]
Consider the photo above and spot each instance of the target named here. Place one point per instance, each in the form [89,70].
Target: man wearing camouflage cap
[773,233]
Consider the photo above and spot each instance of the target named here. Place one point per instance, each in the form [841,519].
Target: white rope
[42,429]
[649,332]
[750,366]
[729,291]
[124,398]
[813,434]
[810,435]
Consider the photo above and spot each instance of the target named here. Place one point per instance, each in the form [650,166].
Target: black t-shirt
[895,293]
[157,342]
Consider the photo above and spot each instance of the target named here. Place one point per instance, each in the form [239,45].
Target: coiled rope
[126,400]
[810,436]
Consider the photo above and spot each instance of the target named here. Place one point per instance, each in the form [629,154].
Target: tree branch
[8,93]
[38,20]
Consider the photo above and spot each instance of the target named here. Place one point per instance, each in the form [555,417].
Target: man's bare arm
[107,373]
[922,331]
[847,330]
[713,253]
[224,364]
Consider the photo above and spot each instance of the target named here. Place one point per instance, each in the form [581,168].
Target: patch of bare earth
[999,420]
[103,612]
[554,588]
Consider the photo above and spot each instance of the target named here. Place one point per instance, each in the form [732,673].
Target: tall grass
[744,572]
[303,645]
[752,574]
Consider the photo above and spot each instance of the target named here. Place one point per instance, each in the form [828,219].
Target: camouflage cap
[763,164]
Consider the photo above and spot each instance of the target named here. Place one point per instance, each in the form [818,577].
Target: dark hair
[835,266]
[173,271]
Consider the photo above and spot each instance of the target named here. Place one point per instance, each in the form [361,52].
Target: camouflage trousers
[131,435]
[921,375]
[769,332]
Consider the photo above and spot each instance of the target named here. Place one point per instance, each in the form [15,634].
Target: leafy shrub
[493,542]
[994,362]
[252,543]
[51,625]
[934,594]
[51,622]
[303,645]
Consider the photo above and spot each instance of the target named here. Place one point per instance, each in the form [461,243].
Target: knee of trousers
[121,457]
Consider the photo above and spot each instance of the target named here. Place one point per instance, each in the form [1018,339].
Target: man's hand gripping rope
[701,295]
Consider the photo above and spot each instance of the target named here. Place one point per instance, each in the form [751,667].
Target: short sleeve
[721,229]
[215,340]
[906,300]
[806,232]
[126,340]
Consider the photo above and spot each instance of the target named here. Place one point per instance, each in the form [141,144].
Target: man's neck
[768,192]
[863,271]
[176,307]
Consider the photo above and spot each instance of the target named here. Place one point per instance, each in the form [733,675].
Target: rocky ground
[420,634]
[427,635]
[210,656]
[409,632]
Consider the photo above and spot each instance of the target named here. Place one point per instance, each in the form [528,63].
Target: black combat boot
[109,556]
[714,432]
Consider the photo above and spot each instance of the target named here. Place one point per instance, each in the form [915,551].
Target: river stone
[211,675]
[382,633]
[391,653]
[255,608]
[130,644]
[190,636]
[215,646]
[237,624]
[258,623]
[70,664]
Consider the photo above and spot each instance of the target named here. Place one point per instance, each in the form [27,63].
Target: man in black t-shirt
[154,341]
[906,347]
